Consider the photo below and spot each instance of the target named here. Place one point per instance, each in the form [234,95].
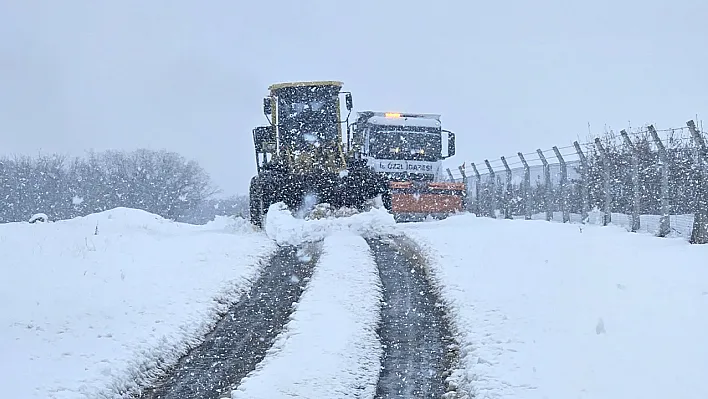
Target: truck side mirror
[349,101]
[450,144]
[267,107]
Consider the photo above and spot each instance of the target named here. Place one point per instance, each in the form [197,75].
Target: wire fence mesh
[647,180]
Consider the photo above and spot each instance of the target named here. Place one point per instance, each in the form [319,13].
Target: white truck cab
[403,146]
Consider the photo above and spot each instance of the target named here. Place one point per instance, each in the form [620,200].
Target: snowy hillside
[551,310]
[85,314]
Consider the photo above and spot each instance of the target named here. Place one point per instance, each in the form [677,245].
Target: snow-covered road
[96,307]
[243,335]
[414,329]
[329,349]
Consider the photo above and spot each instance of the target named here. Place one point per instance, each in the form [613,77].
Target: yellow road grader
[301,152]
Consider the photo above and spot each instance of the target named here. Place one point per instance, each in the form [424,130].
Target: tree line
[160,182]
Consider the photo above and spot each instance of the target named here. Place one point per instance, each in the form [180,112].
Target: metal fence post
[462,173]
[700,143]
[585,182]
[563,185]
[465,182]
[493,178]
[527,187]
[636,199]
[607,219]
[699,233]
[507,191]
[477,183]
[665,220]
[547,183]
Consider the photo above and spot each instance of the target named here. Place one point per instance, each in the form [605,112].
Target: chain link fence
[648,180]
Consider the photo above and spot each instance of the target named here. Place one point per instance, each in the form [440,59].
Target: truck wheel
[387,200]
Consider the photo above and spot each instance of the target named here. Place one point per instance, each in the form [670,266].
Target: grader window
[308,115]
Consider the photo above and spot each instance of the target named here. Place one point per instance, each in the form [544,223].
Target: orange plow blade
[416,202]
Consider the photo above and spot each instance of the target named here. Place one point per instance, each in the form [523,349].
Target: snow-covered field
[551,310]
[87,315]
[544,310]
[330,348]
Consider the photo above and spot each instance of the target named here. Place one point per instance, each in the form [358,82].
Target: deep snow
[284,228]
[91,315]
[551,310]
[543,310]
[330,348]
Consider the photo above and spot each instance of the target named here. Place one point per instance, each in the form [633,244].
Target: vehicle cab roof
[401,119]
[278,86]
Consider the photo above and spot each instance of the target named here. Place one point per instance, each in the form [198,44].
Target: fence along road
[648,180]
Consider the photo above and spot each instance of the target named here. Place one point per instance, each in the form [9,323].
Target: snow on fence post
[507,190]
[563,185]
[699,233]
[449,173]
[636,199]
[464,175]
[547,183]
[664,221]
[493,180]
[607,219]
[527,187]
[585,183]
[477,183]
[465,182]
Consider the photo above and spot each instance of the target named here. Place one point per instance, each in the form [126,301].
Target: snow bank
[230,224]
[92,306]
[330,348]
[553,310]
[284,228]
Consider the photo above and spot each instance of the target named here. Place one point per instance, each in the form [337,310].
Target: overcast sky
[189,76]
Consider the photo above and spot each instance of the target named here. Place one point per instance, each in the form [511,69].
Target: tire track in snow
[242,337]
[329,348]
[414,332]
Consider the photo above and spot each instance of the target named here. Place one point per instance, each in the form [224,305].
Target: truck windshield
[423,146]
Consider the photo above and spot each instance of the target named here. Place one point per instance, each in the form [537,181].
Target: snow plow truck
[302,155]
[408,149]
